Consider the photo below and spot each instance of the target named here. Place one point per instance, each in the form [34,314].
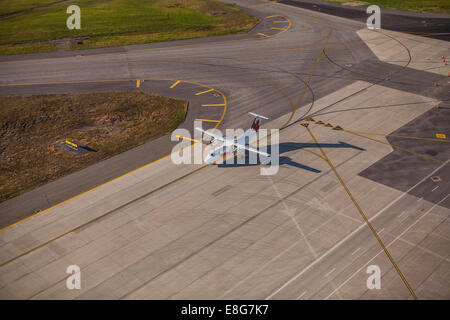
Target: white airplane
[236,146]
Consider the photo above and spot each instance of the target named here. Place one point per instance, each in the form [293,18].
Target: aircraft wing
[215,136]
[238,145]
[241,146]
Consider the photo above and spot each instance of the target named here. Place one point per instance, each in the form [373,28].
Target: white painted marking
[356,251]
[337,245]
[401,213]
[330,272]
[420,199]
[435,188]
[301,295]
[380,231]
[381,251]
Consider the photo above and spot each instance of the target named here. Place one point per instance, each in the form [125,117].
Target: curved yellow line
[125,174]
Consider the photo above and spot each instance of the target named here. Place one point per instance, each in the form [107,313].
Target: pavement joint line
[125,174]
[364,217]
[353,253]
[103,215]
[396,238]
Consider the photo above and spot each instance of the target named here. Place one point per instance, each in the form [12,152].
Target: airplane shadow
[285,160]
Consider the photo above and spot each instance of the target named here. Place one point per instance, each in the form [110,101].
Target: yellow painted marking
[93,81]
[213,105]
[207,120]
[280,21]
[125,174]
[264,35]
[275,15]
[398,147]
[363,215]
[173,86]
[138,83]
[278,28]
[441,136]
[103,215]
[327,39]
[206,91]
[404,137]
[186,138]
[72,144]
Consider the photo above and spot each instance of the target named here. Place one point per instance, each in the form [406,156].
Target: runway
[141,227]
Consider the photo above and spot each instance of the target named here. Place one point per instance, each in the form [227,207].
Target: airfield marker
[213,105]
[173,86]
[206,91]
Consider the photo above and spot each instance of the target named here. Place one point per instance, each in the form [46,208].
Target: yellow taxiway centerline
[362,214]
[125,174]
[186,138]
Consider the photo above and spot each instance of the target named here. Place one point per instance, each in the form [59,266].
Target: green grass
[122,22]
[32,127]
[424,6]
[11,6]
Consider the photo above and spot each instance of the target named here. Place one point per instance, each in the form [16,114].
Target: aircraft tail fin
[257,121]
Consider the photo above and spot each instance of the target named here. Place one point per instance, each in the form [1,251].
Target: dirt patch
[354,4]
[33,131]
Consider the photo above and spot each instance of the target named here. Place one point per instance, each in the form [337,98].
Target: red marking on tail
[255,124]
